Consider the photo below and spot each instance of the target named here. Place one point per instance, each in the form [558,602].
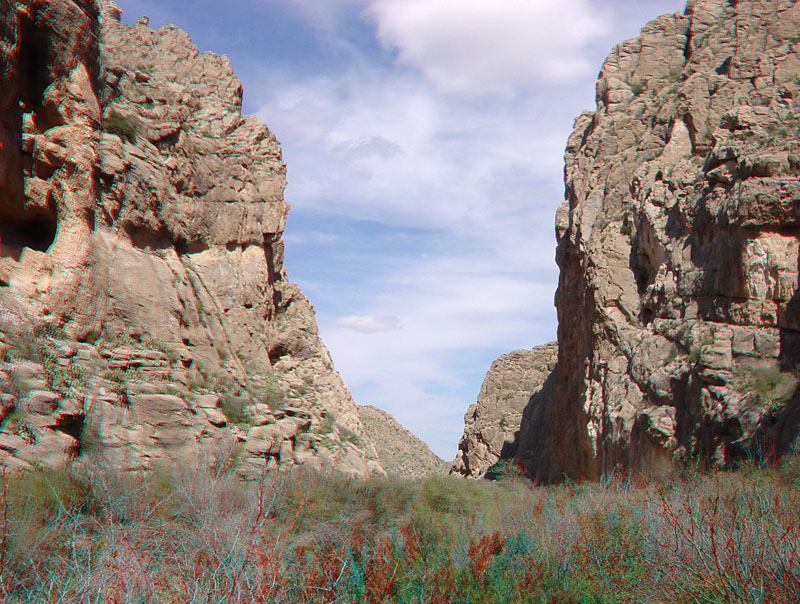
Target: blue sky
[424,141]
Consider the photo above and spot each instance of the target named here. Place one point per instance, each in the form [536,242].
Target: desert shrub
[506,469]
[789,470]
[233,408]
[348,436]
[15,384]
[151,343]
[61,378]
[729,540]
[325,426]
[46,493]
[118,124]
[176,535]
[272,395]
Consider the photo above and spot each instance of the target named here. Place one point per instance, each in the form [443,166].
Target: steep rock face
[511,390]
[399,452]
[139,208]
[678,249]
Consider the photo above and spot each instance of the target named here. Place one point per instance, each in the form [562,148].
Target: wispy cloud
[478,46]
[369,323]
[387,147]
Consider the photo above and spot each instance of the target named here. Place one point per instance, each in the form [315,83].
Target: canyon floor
[89,534]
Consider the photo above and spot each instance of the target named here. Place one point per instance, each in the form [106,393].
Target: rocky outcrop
[678,249]
[511,389]
[139,206]
[401,454]
[679,320]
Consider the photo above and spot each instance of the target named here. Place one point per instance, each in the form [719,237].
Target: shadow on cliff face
[778,434]
[781,435]
[37,231]
[540,449]
[25,78]
[509,449]
[44,41]
[789,324]
[508,465]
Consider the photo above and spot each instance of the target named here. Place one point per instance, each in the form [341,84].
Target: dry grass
[91,535]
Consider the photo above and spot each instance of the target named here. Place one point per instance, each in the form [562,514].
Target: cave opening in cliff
[276,353]
[75,429]
[146,238]
[33,61]
[35,231]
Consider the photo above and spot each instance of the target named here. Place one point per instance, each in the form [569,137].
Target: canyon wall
[492,423]
[679,319]
[401,454]
[143,294]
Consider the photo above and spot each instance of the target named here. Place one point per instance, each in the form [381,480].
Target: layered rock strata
[492,425]
[140,206]
[401,454]
[678,249]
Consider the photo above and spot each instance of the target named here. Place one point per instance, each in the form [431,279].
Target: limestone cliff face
[678,248]
[509,392]
[679,319]
[141,218]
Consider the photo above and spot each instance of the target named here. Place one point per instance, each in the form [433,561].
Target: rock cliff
[144,305]
[679,319]
[492,424]
[678,247]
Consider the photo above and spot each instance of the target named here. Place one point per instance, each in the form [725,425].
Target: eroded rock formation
[678,252]
[492,424]
[678,247]
[141,211]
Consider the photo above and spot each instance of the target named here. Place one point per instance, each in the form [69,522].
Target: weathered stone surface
[215,416]
[139,206]
[399,452]
[492,424]
[678,249]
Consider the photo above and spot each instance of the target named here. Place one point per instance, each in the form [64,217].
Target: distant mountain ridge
[399,452]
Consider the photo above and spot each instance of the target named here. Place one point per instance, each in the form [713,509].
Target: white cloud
[491,45]
[369,323]
[386,147]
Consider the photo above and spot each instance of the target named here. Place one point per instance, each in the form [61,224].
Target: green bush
[770,386]
[151,343]
[118,124]
[506,469]
[638,88]
[348,436]
[233,408]
[326,424]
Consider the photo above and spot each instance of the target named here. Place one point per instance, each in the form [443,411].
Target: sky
[424,141]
